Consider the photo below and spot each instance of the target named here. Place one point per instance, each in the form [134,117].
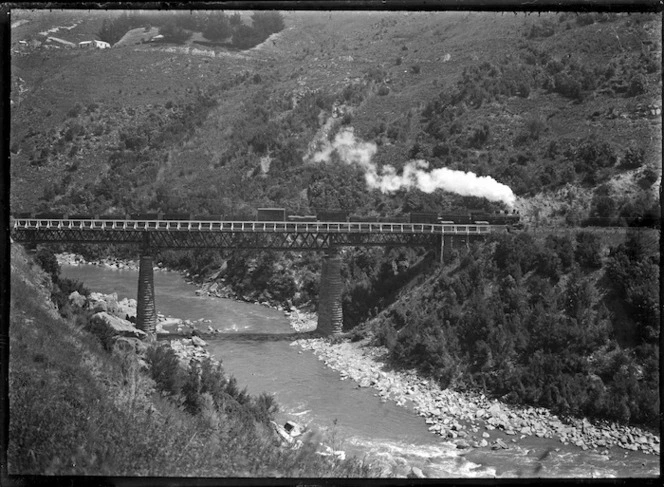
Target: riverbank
[471,420]
[67,258]
[185,338]
[302,320]
[467,421]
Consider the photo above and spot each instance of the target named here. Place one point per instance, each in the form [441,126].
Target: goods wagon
[271,214]
[332,215]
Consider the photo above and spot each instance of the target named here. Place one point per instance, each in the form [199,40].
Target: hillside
[564,109]
[569,322]
[81,405]
[551,105]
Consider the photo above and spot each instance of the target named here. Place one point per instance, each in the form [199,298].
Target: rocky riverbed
[110,262]
[467,419]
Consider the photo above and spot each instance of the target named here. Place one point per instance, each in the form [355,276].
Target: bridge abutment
[146,310]
[330,312]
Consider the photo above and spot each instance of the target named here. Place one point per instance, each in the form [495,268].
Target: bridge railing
[249,226]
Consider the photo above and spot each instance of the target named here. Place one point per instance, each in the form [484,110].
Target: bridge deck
[251,226]
[173,234]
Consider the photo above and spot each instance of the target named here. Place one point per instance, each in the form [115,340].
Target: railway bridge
[153,235]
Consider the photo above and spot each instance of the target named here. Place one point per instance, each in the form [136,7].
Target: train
[282,215]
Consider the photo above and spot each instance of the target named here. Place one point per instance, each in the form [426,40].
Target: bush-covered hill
[562,321]
[545,104]
[564,108]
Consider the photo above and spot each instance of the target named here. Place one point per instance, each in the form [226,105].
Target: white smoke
[415,174]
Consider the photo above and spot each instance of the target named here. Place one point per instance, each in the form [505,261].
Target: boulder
[108,323]
[499,444]
[462,444]
[130,345]
[416,473]
[97,306]
[495,410]
[198,341]
[293,428]
[76,299]
[282,432]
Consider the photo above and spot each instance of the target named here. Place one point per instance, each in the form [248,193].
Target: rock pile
[302,321]
[191,350]
[460,417]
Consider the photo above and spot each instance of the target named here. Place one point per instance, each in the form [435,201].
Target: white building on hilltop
[94,43]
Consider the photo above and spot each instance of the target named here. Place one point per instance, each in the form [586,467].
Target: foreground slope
[77,409]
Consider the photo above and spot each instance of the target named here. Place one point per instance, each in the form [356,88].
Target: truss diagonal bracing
[240,235]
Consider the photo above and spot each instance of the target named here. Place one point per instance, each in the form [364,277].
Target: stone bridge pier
[146,310]
[330,313]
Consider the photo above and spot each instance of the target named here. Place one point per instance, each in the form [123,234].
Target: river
[311,394]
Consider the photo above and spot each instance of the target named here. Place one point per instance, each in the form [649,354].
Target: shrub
[217,27]
[648,179]
[173,33]
[563,247]
[46,259]
[165,369]
[375,75]
[267,23]
[588,249]
[633,157]
[246,37]
[638,85]
[585,19]
[545,28]
[75,111]
[535,126]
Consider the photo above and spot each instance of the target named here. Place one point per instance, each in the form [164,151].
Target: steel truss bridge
[153,235]
[296,236]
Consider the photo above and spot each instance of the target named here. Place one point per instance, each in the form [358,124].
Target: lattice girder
[240,235]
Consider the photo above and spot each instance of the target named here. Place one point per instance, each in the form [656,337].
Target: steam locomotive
[281,215]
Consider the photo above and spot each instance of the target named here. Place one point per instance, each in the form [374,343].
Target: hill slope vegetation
[564,108]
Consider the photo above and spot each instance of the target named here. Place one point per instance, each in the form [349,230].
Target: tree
[47,261]
[588,250]
[246,37]
[637,85]
[173,33]
[267,23]
[235,20]
[217,28]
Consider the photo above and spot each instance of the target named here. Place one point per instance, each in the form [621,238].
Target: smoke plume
[415,174]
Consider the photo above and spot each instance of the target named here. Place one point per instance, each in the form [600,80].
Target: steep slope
[535,102]
[77,408]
